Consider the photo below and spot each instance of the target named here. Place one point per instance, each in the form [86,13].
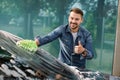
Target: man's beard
[73,26]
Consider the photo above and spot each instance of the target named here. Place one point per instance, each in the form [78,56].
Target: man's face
[74,20]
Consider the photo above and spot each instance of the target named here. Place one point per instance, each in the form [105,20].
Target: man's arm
[48,38]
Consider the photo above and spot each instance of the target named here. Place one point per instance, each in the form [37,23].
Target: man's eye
[77,19]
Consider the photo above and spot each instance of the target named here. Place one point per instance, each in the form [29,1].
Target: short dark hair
[77,10]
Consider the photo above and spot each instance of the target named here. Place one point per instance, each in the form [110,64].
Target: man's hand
[79,48]
[28,45]
[37,42]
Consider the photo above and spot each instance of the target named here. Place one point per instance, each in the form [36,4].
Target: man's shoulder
[83,29]
[61,28]
[64,25]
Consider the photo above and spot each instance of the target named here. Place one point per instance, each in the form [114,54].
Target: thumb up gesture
[79,48]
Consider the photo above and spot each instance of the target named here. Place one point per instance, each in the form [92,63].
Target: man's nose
[73,21]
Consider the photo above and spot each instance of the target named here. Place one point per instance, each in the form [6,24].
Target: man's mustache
[73,23]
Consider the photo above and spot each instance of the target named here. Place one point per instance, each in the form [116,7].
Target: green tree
[25,8]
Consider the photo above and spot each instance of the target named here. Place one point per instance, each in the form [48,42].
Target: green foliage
[90,24]
[19,7]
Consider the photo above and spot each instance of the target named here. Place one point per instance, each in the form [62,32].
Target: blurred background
[30,18]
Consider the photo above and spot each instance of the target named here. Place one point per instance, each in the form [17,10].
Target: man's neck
[74,30]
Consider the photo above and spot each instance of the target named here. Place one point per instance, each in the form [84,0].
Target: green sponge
[28,45]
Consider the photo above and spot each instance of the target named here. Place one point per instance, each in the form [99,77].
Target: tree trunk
[28,29]
[99,21]
[62,10]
